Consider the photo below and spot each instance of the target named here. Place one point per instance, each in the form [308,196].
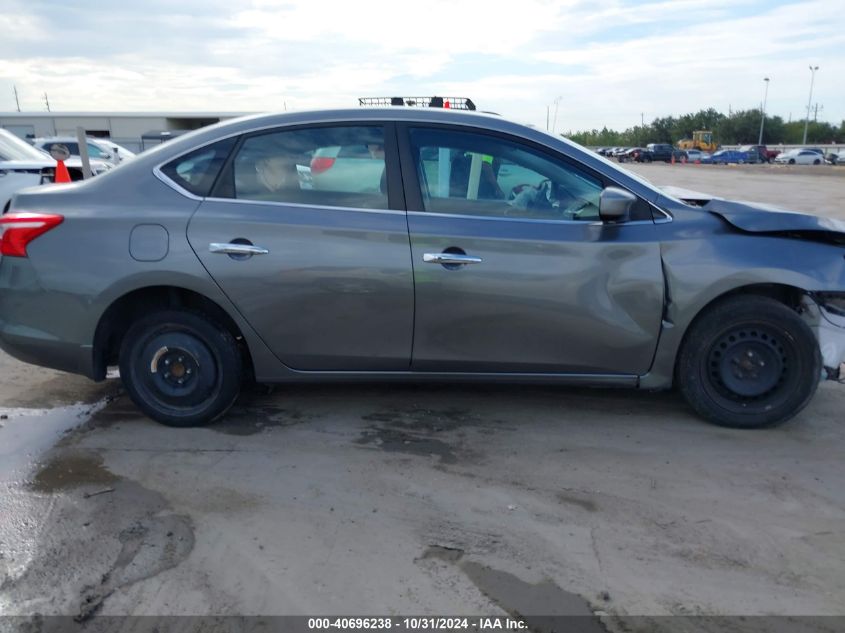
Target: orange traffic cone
[62,174]
[446,104]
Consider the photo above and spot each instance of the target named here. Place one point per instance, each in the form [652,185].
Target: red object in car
[17,230]
[319,164]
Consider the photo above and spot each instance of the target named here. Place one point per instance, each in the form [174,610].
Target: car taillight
[17,230]
[319,164]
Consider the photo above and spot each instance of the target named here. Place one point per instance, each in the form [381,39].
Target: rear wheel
[817,162]
[180,367]
[791,161]
[749,362]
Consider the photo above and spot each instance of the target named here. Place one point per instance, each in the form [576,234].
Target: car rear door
[321,271]
[507,285]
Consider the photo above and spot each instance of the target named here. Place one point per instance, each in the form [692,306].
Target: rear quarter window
[197,171]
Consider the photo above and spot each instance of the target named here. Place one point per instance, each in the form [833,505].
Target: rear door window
[336,166]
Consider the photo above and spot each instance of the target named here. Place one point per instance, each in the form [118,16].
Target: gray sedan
[456,247]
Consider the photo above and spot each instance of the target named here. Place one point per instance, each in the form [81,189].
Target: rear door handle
[236,249]
[450,258]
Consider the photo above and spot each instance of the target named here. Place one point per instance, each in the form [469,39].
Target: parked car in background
[695,155]
[835,158]
[760,153]
[630,155]
[496,252]
[98,148]
[22,165]
[800,157]
[726,156]
[655,152]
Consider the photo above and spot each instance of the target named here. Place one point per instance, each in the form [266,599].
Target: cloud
[607,60]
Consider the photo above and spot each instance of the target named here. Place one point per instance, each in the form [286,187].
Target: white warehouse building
[124,128]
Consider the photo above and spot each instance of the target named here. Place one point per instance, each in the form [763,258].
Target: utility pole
[47,101]
[547,118]
[642,119]
[763,110]
[554,122]
[17,103]
[813,70]
[816,109]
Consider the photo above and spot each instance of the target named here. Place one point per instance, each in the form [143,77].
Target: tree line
[737,128]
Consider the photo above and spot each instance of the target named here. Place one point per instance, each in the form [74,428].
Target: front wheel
[749,362]
[180,367]
[817,162]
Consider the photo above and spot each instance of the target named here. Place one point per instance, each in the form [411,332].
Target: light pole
[813,70]
[763,111]
[554,121]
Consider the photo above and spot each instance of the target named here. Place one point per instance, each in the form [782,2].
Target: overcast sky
[607,60]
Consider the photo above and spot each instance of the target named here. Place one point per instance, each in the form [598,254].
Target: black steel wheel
[180,368]
[747,362]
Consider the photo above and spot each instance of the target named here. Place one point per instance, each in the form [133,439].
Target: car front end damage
[824,312]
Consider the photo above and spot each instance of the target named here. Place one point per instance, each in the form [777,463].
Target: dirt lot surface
[390,499]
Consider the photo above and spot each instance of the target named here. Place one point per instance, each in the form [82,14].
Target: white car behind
[799,157]
[98,148]
[22,165]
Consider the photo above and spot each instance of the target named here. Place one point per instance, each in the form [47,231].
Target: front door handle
[236,249]
[450,258]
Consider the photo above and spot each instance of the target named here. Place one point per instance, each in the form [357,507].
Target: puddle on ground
[26,433]
[69,470]
[397,441]
[421,419]
[539,605]
[414,430]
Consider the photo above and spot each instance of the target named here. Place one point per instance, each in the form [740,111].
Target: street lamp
[813,70]
[763,110]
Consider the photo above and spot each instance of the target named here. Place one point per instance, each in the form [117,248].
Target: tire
[817,162]
[791,161]
[180,367]
[748,362]
[647,159]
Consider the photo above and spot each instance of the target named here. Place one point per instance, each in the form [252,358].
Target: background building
[124,128]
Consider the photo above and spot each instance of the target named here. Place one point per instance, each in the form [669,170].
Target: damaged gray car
[455,247]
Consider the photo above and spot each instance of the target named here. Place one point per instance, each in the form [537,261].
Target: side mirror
[615,204]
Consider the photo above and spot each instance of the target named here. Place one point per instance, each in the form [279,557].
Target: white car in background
[98,148]
[799,157]
[696,154]
[22,165]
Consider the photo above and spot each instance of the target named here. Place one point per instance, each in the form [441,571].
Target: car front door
[319,266]
[514,270]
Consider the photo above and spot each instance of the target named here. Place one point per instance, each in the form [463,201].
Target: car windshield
[13,148]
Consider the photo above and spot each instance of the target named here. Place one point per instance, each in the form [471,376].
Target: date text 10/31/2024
[419,623]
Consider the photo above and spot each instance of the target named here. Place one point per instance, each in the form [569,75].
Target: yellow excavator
[701,139]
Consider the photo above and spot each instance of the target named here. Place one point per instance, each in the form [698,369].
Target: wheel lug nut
[181,359]
[166,361]
[188,371]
